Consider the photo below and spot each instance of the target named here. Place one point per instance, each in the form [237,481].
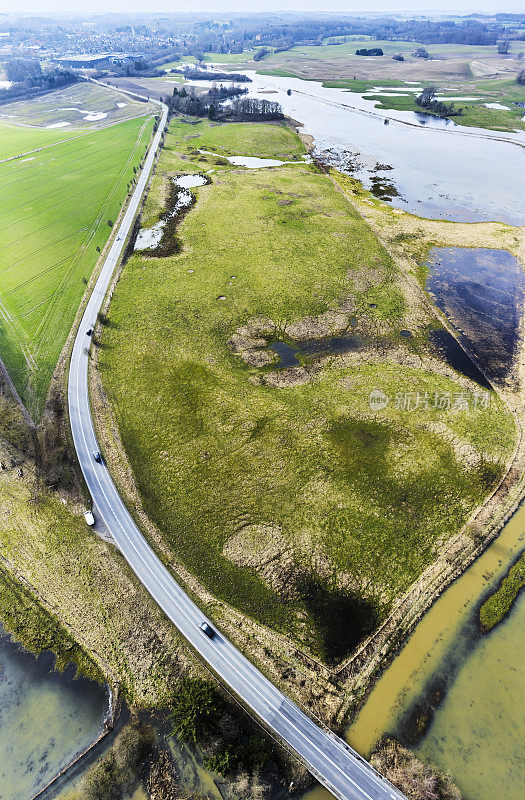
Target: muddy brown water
[46,718]
[475,682]
[472,683]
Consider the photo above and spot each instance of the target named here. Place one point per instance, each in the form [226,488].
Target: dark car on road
[97,457]
[207,630]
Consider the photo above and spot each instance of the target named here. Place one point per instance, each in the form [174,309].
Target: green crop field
[281,491]
[55,205]
[14,140]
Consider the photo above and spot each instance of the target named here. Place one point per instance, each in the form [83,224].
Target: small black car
[207,629]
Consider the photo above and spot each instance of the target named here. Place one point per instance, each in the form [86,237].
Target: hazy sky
[304,6]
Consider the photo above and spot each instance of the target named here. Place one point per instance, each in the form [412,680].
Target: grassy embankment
[246,472]
[500,603]
[84,594]
[55,209]
[238,137]
[38,630]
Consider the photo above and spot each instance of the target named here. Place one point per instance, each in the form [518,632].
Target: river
[433,165]
[46,718]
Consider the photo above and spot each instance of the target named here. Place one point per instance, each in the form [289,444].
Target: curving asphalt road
[339,768]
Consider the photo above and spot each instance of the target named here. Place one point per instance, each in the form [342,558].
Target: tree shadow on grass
[341,618]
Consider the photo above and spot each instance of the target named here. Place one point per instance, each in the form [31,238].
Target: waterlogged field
[56,205]
[284,489]
[82,105]
[488,104]
[47,718]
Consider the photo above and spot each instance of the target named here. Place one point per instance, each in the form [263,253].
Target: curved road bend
[329,758]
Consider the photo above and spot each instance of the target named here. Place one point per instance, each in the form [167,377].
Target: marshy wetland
[243,398]
[454,693]
[422,164]
[278,487]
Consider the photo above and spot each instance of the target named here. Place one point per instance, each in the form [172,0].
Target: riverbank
[305,665]
[439,644]
[421,164]
[409,239]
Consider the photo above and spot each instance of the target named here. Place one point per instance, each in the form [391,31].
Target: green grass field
[216,452]
[339,61]
[272,141]
[55,206]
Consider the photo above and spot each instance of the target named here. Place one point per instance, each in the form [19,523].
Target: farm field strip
[21,157]
[57,162]
[50,241]
[87,187]
[12,137]
[83,247]
[52,224]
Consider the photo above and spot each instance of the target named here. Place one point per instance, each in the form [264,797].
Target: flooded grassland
[427,165]
[454,693]
[253,384]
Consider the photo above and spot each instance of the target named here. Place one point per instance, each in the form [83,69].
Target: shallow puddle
[251,162]
[332,345]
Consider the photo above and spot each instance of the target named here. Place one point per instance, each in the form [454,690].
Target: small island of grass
[499,604]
